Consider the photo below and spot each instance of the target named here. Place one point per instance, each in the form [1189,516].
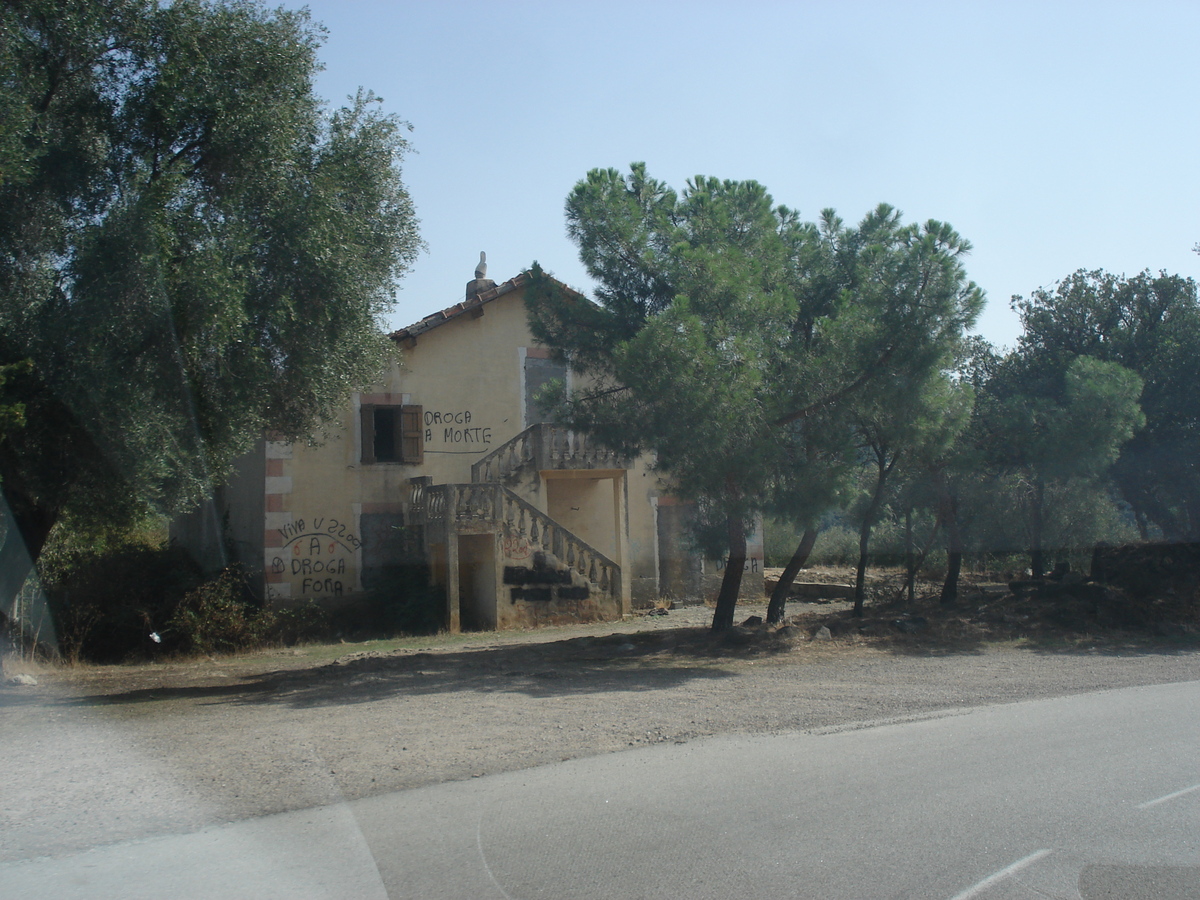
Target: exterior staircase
[568,577]
[542,448]
[484,508]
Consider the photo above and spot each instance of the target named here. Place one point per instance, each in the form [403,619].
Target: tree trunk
[1037,560]
[26,529]
[1140,518]
[732,582]
[954,552]
[910,558]
[950,586]
[778,604]
[921,557]
[860,577]
[1193,520]
[868,523]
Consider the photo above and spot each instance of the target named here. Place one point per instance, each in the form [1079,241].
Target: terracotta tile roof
[433,320]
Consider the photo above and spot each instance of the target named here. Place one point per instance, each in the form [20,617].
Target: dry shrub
[219,616]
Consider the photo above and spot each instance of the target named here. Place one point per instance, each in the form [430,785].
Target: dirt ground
[99,754]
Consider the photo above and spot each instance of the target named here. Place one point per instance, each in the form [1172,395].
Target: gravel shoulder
[95,755]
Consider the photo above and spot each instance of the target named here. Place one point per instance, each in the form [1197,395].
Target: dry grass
[13,664]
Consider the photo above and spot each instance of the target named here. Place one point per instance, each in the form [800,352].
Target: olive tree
[193,249]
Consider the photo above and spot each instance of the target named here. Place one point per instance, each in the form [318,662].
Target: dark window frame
[406,444]
[539,370]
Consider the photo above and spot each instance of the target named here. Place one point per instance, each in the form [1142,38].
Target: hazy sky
[1053,136]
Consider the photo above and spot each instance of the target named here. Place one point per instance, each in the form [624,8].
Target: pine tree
[724,323]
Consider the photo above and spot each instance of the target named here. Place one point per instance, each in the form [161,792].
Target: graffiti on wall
[454,427]
[752,564]
[515,546]
[315,556]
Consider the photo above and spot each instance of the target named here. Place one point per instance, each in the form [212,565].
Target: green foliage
[1063,424]
[1081,514]
[218,617]
[192,248]
[836,545]
[112,592]
[1050,420]
[1077,513]
[12,415]
[303,623]
[692,302]
[1151,326]
[726,328]
[779,540]
[905,430]
[729,336]
[109,595]
[683,354]
[1071,411]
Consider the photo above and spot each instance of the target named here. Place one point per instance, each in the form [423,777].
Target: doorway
[477,584]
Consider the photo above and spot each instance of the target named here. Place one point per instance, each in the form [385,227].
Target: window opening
[392,434]
[387,448]
[540,371]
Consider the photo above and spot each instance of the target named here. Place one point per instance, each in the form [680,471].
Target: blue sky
[1053,136]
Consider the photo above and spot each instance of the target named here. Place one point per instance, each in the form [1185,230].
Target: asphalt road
[1090,796]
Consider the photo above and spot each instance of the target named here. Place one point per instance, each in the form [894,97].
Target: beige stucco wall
[642,489]
[587,507]
[753,584]
[466,374]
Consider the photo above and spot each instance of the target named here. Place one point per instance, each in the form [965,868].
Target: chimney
[482,282]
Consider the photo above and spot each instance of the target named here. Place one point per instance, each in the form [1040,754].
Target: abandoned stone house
[451,462]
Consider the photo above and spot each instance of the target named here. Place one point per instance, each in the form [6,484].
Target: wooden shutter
[366,420]
[412,435]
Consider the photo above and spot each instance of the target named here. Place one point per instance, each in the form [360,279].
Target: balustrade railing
[546,447]
[563,448]
[507,458]
[451,505]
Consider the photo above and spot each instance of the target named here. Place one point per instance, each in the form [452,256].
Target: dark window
[392,434]
[385,548]
[387,448]
[539,372]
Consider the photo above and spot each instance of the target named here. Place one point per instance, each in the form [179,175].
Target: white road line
[483,857]
[1150,803]
[977,889]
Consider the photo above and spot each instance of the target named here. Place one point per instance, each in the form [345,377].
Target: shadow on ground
[1114,624]
[583,665]
[655,658]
